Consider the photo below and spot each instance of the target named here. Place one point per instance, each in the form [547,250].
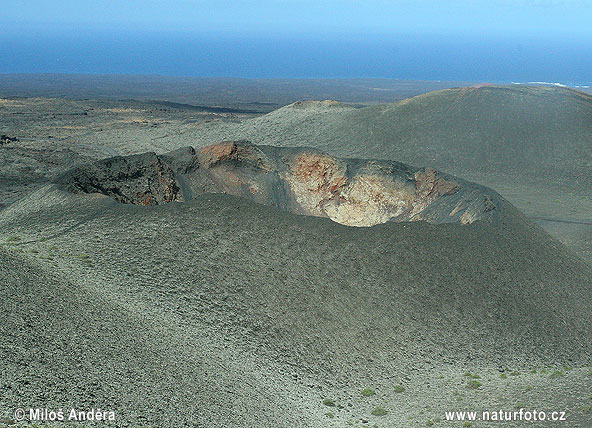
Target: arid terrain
[360,262]
[531,144]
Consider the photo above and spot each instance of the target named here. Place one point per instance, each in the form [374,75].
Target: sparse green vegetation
[430,423]
[13,238]
[330,415]
[379,411]
[467,424]
[587,409]
[556,374]
[399,388]
[472,375]
[504,376]
[84,258]
[515,373]
[474,384]
[368,392]
[329,402]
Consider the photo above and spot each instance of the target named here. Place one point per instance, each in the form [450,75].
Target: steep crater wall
[305,181]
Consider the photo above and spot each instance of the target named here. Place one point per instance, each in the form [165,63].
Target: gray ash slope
[75,346]
[24,169]
[249,316]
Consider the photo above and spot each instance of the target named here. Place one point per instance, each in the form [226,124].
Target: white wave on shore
[562,85]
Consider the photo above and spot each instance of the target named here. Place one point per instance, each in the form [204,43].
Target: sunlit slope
[539,131]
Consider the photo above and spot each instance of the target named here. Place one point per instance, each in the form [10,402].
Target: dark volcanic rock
[143,179]
[5,139]
[305,181]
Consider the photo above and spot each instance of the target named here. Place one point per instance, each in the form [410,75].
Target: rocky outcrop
[144,179]
[305,181]
[5,139]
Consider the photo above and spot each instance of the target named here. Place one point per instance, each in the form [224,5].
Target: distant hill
[542,132]
[263,95]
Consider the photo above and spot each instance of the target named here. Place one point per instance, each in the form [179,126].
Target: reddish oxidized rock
[212,155]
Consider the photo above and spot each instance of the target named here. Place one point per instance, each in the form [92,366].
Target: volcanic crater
[353,192]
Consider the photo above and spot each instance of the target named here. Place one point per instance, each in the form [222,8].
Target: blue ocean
[495,59]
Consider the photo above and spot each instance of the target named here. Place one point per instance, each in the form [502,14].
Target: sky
[101,34]
[303,17]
